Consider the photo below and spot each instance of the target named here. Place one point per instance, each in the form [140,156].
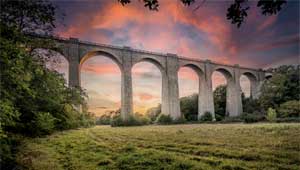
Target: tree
[289,109]
[34,100]
[251,105]
[28,16]
[283,86]
[237,12]
[220,102]
[189,107]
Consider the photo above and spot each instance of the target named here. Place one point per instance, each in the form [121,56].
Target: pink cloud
[101,69]
[269,21]
[145,96]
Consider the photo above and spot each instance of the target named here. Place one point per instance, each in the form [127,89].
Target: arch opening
[188,82]
[221,79]
[245,83]
[153,62]
[101,78]
[54,61]
[147,87]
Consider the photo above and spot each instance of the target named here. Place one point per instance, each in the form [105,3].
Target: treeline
[280,95]
[35,100]
[279,101]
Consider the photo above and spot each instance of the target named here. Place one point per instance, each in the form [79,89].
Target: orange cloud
[101,69]
[187,73]
[154,30]
[145,96]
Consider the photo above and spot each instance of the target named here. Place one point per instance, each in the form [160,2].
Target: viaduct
[77,52]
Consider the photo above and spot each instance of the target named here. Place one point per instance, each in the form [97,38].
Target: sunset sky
[261,42]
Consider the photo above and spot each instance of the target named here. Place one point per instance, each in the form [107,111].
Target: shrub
[143,120]
[289,109]
[271,115]
[252,118]
[43,124]
[164,119]
[232,119]
[116,121]
[288,119]
[103,120]
[180,120]
[219,117]
[206,117]
[133,120]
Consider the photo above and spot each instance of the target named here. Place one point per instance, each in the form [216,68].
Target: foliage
[232,119]
[28,16]
[164,119]
[189,107]
[237,12]
[153,112]
[43,123]
[132,120]
[34,100]
[289,109]
[252,117]
[251,105]
[180,120]
[282,87]
[288,119]
[206,117]
[194,146]
[220,102]
[103,120]
[271,115]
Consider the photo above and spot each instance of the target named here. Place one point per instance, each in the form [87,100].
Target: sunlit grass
[205,146]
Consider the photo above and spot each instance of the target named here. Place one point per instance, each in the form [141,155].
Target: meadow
[194,146]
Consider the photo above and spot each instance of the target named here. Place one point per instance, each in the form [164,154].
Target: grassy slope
[219,146]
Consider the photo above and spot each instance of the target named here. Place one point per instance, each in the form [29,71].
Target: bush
[232,119]
[219,117]
[180,120]
[252,118]
[164,119]
[103,120]
[289,109]
[271,115]
[43,124]
[206,117]
[288,119]
[133,120]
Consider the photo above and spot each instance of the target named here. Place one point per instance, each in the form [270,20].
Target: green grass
[205,146]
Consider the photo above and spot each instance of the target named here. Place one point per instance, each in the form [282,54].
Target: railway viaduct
[76,52]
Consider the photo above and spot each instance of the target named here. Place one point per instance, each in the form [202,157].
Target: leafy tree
[251,105]
[220,102]
[164,119]
[282,87]
[289,109]
[206,117]
[189,107]
[28,16]
[34,100]
[237,12]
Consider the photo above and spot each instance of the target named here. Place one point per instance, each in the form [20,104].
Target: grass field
[205,146]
